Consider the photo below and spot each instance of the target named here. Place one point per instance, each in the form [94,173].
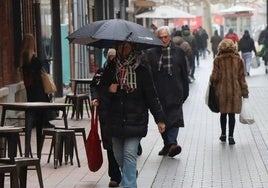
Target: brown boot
[174,150]
[164,151]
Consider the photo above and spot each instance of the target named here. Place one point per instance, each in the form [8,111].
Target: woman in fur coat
[228,76]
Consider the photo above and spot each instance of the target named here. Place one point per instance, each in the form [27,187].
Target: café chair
[62,139]
[12,170]
[23,164]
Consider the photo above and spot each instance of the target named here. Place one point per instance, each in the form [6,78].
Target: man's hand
[161,127]
[113,88]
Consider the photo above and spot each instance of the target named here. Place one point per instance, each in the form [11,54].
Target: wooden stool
[78,102]
[60,138]
[12,170]
[22,166]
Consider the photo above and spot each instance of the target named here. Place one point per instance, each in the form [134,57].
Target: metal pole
[38,29]
[57,54]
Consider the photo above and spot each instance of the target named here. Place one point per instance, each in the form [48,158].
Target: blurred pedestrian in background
[233,36]
[263,40]
[246,45]
[204,37]
[215,41]
[187,36]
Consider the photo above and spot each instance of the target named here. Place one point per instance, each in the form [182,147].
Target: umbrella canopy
[105,33]
[165,12]
[237,8]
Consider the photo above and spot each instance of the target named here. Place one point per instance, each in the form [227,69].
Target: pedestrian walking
[233,36]
[215,41]
[246,45]
[184,45]
[187,36]
[204,37]
[263,40]
[228,77]
[129,94]
[199,45]
[169,72]
[99,99]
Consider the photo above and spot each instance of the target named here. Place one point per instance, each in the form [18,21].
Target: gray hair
[164,27]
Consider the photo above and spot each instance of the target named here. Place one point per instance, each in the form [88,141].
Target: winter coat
[95,91]
[33,82]
[246,44]
[215,41]
[128,112]
[228,76]
[173,89]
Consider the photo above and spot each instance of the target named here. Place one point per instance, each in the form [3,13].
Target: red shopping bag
[93,144]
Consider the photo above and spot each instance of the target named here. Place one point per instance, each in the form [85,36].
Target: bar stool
[12,170]
[22,165]
[79,131]
[78,101]
[61,138]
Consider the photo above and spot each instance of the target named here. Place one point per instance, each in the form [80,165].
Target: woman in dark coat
[228,76]
[31,68]
[97,96]
[129,93]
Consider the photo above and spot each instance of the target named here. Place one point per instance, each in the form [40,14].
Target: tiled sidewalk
[204,161]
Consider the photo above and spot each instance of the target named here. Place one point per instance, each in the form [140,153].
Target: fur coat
[228,76]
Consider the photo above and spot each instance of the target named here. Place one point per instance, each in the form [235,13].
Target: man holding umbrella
[169,71]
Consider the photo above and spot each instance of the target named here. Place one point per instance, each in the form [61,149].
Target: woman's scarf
[165,61]
[125,71]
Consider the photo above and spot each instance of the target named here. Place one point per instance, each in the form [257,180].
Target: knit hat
[185,27]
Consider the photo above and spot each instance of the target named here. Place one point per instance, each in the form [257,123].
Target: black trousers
[113,167]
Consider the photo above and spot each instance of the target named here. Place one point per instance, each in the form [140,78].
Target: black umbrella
[105,33]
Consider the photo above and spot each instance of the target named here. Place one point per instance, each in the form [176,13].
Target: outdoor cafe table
[79,81]
[31,106]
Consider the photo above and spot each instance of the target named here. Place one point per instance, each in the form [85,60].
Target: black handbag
[212,99]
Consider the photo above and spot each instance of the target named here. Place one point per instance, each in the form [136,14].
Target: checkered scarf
[164,61]
[125,71]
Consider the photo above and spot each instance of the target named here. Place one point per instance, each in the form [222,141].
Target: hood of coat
[227,46]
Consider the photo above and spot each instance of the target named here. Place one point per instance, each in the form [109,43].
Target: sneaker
[113,183]
[164,151]
[231,141]
[174,150]
[223,138]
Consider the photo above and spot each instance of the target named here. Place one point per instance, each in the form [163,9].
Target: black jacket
[172,90]
[127,113]
[33,82]
[246,44]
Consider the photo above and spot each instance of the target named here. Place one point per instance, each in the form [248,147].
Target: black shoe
[164,151]
[174,150]
[231,141]
[223,138]
[139,150]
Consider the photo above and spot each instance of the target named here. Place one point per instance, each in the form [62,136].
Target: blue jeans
[125,152]
[247,57]
[170,136]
